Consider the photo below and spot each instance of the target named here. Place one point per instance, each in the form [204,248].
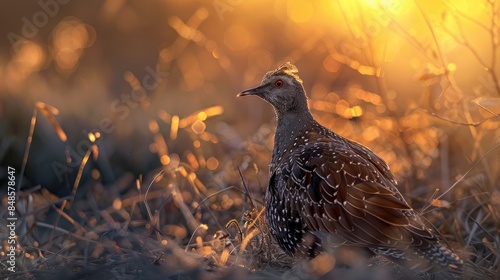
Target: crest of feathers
[286,68]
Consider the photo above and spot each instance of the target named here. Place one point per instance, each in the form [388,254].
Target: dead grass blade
[49,112]
[27,149]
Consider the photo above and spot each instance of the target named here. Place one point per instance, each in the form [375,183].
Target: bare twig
[494,45]
[465,174]
[454,9]
[475,124]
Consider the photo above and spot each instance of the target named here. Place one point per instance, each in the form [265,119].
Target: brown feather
[388,201]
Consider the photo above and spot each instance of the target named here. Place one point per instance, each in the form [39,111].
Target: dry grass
[187,221]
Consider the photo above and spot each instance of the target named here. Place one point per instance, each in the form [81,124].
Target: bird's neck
[289,126]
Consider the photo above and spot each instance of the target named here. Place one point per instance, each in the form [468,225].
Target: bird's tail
[425,256]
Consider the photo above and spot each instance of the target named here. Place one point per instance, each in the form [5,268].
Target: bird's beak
[252,91]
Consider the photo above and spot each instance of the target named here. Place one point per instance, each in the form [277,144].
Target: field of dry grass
[133,158]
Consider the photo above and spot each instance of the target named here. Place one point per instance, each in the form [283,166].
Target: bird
[326,189]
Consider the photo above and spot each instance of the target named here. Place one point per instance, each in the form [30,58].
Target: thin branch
[454,9]
[466,173]
[409,38]
[494,39]
[475,124]
[436,42]
[464,42]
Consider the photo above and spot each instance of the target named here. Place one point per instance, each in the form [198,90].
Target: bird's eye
[278,83]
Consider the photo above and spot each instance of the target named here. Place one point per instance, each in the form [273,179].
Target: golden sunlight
[300,11]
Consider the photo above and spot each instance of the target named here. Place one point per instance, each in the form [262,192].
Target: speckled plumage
[324,185]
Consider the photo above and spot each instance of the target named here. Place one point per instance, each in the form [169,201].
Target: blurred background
[367,66]
[146,85]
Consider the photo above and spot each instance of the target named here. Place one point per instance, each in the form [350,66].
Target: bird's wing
[336,190]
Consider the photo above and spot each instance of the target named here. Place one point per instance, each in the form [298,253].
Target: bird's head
[282,88]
